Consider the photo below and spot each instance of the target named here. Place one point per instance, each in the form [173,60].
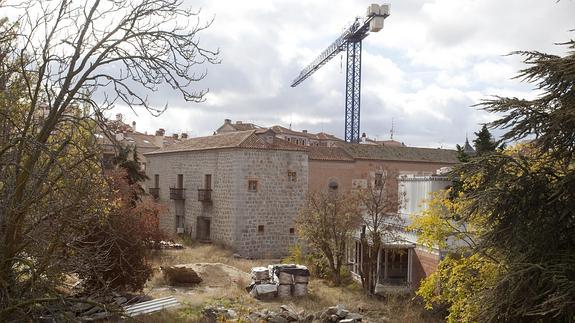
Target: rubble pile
[217,314]
[334,314]
[279,280]
[93,308]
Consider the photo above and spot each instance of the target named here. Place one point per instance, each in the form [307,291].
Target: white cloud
[433,60]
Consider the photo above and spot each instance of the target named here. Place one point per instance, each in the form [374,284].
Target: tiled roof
[284,130]
[318,136]
[236,139]
[244,126]
[328,153]
[326,136]
[378,152]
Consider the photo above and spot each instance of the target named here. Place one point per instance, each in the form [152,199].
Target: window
[260,228]
[378,180]
[292,176]
[332,185]
[208,181]
[252,185]
[180,181]
[291,230]
[156,180]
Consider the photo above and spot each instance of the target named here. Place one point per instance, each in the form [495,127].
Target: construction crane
[350,40]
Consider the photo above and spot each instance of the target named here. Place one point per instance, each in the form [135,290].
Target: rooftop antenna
[290,120]
[391,131]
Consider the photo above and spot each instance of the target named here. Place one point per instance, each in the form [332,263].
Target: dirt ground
[225,278]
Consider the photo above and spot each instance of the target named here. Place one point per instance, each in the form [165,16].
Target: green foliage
[517,205]
[314,261]
[325,224]
[458,279]
[484,142]
[461,155]
[131,164]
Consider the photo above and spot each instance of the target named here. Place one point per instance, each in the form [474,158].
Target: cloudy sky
[430,64]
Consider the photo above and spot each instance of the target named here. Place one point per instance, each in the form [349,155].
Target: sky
[428,67]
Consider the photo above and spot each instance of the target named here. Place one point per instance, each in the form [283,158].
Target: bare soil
[225,278]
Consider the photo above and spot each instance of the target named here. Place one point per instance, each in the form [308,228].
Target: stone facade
[255,223]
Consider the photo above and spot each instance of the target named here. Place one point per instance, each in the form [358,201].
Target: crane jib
[350,40]
[357,31]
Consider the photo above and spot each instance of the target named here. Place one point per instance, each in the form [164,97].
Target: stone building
[302,138]
[122,134]
[242,189]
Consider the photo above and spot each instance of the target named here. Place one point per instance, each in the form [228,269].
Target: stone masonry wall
[235,212]
[194,166]
[274,205]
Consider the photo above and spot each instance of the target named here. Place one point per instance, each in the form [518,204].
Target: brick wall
[424,263]
[344,172]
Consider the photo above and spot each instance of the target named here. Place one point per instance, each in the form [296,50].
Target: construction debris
[170,245]
[285,314]
[280,280]
[150,306]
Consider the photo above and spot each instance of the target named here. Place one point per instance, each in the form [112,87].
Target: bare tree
[326,223]
[380,201]
[60,57]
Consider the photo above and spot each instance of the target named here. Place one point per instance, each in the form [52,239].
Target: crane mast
[350,41]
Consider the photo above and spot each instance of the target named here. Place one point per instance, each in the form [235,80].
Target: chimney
[238,122]
[134,126]
[363,137]
[119,117]
[175,136]
[227,121]
[304,131]
[184,135]
[160,132]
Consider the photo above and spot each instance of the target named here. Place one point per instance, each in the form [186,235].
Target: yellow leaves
[458,282]
[436,224]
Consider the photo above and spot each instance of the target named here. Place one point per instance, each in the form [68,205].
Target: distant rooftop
[252,139]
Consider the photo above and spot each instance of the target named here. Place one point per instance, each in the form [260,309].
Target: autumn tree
[523,258]
[379,202]
[326,223]
[62,66]
[125,235]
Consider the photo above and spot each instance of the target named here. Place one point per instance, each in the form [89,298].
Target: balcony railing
[204,194]
[155,192]
[177,193]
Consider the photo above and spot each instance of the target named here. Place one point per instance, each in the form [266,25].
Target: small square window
[292,176]
[291,230]
[260,228]
[378,180]
[253,185]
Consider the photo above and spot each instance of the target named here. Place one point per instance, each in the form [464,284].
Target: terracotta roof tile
[244,126]
[380,152]
[237,139]
[328,153]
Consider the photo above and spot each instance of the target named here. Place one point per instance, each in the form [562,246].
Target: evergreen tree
[461,155]
[484,142]
[516,210]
